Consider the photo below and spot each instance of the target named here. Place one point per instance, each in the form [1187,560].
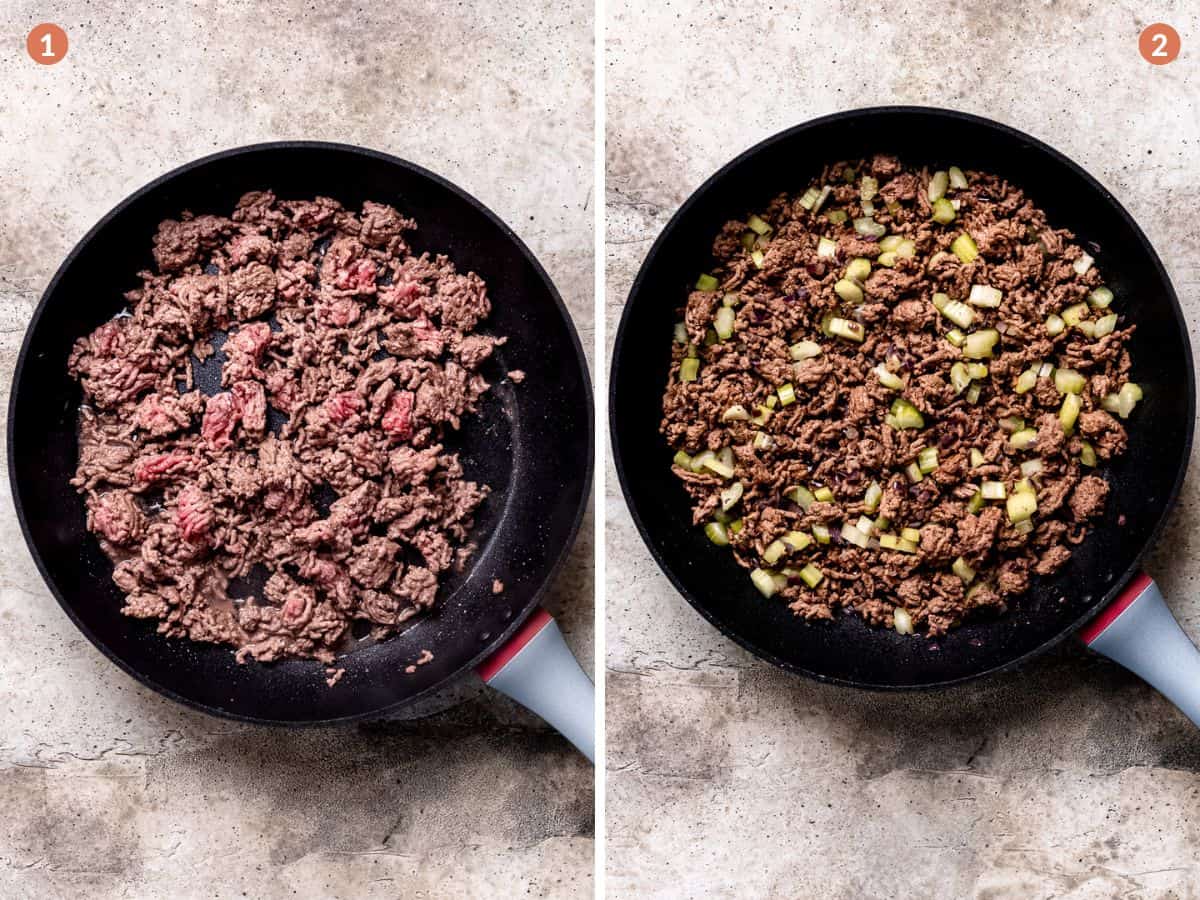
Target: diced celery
[872,497]
[888,378]
[1074,314]
[937,186]
[731,299]
[821,198]
[1087,327]
[758,258]
[763,441]
[979,344]
[689,369]
[943,211]
[821,533]
[891,242]
[906,546]
[757,225]
[904,415]
[797,540]
[723,322]
[1105,325]
[846,328]
[864,524]
[848,291]
[1127,399]
[748,239]
[868,187]
[801,496]
[954,310]
[735,526]
[911,534]
[958,180]
[985,295]
[902,621]
[927,460]
[1055,325]
[699,459]
[1069,412]
[977,458]
[735,413]
[1045,370]
[858,269]
[681,335]
[1021,506]
[826,248]
[731,495]
[868,227]
[993,490]
[774,552]
[851,535]
[802,350]
[973,393]
[717,533]
[889,542]
[811,575]
[1032,467]
[975,504]
[914,473]
[907,249]
[1027,380]
[682,459]
[1082,264]
[1111,402]
[718,466]
[883,523]
[710,337]
[809,198]
[1100,298]
[787,394]
[1069,381]
[956,337]
[963,570]
[1087,455]
[1011,423]
[707,283]
[965,248]
[1023,439]
[977,370]
[837,216]
[823,494]
[763,416]
[765,582]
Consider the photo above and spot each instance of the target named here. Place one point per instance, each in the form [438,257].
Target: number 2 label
[1159,44]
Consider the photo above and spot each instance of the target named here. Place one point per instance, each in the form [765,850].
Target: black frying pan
[1145,481]
[532,443]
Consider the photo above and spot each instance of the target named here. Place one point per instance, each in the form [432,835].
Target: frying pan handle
[1138,631]
[537,669]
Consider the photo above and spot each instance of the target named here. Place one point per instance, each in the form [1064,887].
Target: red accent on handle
[1109,614]
[490,667]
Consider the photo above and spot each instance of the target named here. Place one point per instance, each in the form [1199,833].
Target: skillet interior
[531,443]
[1145,481]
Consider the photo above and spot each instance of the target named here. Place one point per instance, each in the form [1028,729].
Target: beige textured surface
[107,790]
[728,778]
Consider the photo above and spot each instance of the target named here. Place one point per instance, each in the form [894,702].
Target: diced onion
[965,248]
[826,248]
[765,582]
[717,533]
[868,227]
[985,295]
[802,350]
[902,621]
[852,535]
[937,186]
[864,524]
[735,413]
[689,369]
[1082,264]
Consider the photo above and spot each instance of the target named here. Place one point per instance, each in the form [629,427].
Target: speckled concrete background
[728,778]
[108,791]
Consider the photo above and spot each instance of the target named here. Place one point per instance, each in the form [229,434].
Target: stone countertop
[729,778]
[111,791]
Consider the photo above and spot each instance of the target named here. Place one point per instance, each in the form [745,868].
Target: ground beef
[316,472]
[745,394]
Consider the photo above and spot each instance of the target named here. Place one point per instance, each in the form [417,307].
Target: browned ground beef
[835,436]
[362,354]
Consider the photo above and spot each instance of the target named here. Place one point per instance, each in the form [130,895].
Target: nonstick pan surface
[532,443]
[1145,482]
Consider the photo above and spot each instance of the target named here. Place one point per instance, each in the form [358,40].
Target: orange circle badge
[47,44]
[1159,44]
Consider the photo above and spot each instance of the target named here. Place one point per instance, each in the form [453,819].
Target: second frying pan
[1145,482]
[532,443]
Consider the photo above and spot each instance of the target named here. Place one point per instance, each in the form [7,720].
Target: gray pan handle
[1138,631]
[537,669]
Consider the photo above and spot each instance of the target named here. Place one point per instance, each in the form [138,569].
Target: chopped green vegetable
[811,575]
[707,283]
[717,533]
[868,227]
[723,322]
[977,458]
[774,551]
[1021,506]
[748,239]
[1023,439]
[852,535]
[954,310]
[718,466]
[758,258]
[973,393]
[845,328]
[927,460]
[763,441]
[689,369]
[735,413]
[1069,381]
[1100,298]
[906,546]
[1055,325]
[837,216]
[979,344]
[956,337]
[883,523]
[858,269]
[681,335]
[958,180]
[826,248]
[735,526]
[758,226]
[889,542]
[1069,412]
[914,473]
[911,534]
[764,415]
[965,248]
[809,198]
[787,394]
[937,186]
[848,291]
[1127,399]
[888,378]
[977,370]
[1075,314]
[710,337]
[1087,455]
[963,570]
[1032,467]
[765,582]
[801,496]
[943,211]
[872,497]
[865,525]
[868,188]
[731,299]
[993,490]
[1082,264]
[797,540]
[821,198]
[985,295]
[1011,423]
[904,415]
[731,495]
[802,350]
[975,504]
[1027,380]
[823,494]
[1105,325]
[682,459]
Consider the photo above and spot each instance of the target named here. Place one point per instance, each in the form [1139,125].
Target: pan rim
[579,359]
[861,113]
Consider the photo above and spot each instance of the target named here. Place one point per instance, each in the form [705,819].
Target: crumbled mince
[425,657]
[497,586]
[317,471]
